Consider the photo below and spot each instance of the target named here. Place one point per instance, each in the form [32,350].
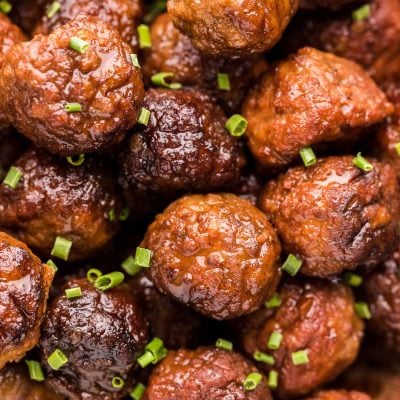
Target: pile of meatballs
[199,200]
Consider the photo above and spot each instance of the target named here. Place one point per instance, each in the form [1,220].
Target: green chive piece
[252,381]
[93,274]
[130,267]
[111,215]
[353,279]
[308,156]
[223,82]
[144,116]
[109,281]
[135,60]
[397,148]
[146,359]
[138,391]
[236,125]
[273,379]
[78,44]
[53,9]
[35,370]
[361,13]
[263,358]
[292,265]
[300,357]
[76,161]
[154,352]
[124,214]
[274,302]
[73,293]
[155,346]
[224,344]
[117,382]
[13,177]
[73,107]
[61,248]
[362,163]
[363,310]
[143,257]
[57,359]
[5,7]
[275,340]
[160,80]
[144,36]
[52,264]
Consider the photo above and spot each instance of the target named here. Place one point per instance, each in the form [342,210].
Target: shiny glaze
[339,395]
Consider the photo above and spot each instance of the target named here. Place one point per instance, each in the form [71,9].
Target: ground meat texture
[123,15]
[24,287]
[215,253]
[317,316]
[54,198]
[339,395]
[174,52]
[205,373]
[333,215]
[330,4]
[40,77]
[184,147]
[232,27]
[307,100]
[101,333]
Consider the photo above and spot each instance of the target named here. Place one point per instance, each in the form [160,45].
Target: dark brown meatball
[123,15]
[40,77]
[232,27]
[331,4]
[205,373]
[174,52]
[333,215]
[24,287]
[338,395]
[185,147]
[27,13]
[316,316]
[215,253]
[54,198]
[309,99]
[101,333]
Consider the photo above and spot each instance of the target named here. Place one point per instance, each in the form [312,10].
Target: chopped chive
[154,352]
[160,80]
[35,370]
[224,344]
[275,340]
[109,281]
[137,391]
[223,82]
[361,163]
[53,9]
[117,382]
[144,116]
[73,293]
[292,265]
[78,44]
[300,357]
[135,60]
[353,279]
[143,257]
[76,161]
[146,359]
[252,380]
[397,148]
[5,7]
[124,214]
[308,156]
[73,107]
[274,302]
[155,346]
[93,274]
[52,264]
[144,36]
[61,248]
[111,215]
[263,358]
[130,267]
[362,310]
[236,125]
[57,359]
[273,379]
[361,13]
[13,177]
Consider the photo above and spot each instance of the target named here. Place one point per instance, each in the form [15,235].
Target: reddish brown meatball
[316,316]
[123,15]
[101,333]
[338,395]
[205,373]
[333,215]
[331,4]
[40,77]
[232,27]
[54,198]
[174,52]
[309,99]
[24,287]
[215,253]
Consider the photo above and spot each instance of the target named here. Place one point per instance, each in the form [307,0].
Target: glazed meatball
[310,99]
[42,77]
[333,215]
[54,198]
[339,395]
[330,4]
[314,316]
[183,148]
[123,15]
[101,334]
[174,52]
[24,288]
[232,27]
[215,253]
[205,373]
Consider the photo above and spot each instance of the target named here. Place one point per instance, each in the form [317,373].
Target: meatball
[314,316]
[174,52]
[54,198]
[123,15]
[333,215]
[310,99]
[330,4]
[101,334]
[205,373]
[232,27]
[215,253]
[339,395]
[24,287]
[40,80]
[183,148]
